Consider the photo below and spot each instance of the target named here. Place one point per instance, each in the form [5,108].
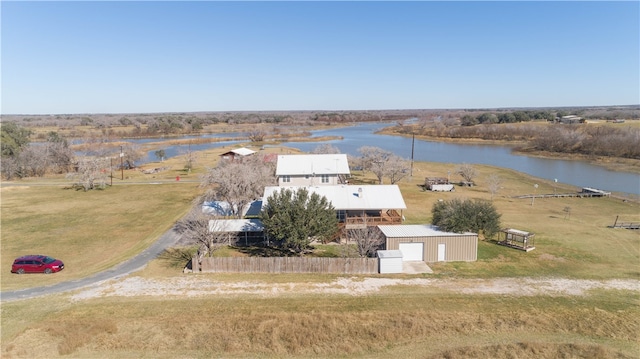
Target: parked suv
[36,264]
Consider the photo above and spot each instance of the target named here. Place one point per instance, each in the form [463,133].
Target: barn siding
[458,248]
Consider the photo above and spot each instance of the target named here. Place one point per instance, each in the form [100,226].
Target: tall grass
[382,325]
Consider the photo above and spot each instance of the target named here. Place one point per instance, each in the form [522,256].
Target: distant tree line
[593,140]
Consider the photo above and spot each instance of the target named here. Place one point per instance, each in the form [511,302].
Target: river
[574,172]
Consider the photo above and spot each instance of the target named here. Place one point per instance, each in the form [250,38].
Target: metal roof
[415,230]
[352,197]
[235,225]
[243,151]
[312,164]
[394,253]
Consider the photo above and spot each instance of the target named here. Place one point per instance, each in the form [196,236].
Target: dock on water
[585,192]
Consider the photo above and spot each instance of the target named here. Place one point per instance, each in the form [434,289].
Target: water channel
[573,172]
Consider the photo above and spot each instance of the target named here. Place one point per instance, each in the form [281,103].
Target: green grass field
[94,230]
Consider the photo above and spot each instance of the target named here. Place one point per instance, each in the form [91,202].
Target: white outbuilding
[390,261]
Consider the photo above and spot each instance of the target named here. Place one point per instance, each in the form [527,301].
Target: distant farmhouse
[312,170]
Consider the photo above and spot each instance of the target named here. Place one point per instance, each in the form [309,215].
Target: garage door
[411,251]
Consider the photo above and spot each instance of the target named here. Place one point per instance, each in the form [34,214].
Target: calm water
[576,173]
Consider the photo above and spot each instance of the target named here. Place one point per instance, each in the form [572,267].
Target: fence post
[195,264]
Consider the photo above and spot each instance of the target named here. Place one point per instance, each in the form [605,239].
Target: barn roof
[312,164]
[415,230]
[352,197]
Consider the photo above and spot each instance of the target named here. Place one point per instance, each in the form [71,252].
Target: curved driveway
[136,263]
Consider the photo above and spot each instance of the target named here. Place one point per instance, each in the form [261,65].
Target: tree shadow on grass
[178,257]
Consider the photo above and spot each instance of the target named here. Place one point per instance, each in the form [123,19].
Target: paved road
[134,264]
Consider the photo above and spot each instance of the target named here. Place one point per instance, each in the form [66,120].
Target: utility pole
[121,162]
[413,142]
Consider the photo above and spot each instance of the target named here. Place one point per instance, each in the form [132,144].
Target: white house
[312,170]
[357,205]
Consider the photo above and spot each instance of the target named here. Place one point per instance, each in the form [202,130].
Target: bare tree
[61,157]
[467,171]
[131,153]
[257,135]
[384,163]
[205,231]
[190,159]
[239,183]
[92,173]
[494,183]
[375,160]
[33,161]
[326,148]
[368,239]
[397,168]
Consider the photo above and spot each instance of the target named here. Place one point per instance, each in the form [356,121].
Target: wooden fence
[285,265]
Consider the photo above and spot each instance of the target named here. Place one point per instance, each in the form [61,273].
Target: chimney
[360,192]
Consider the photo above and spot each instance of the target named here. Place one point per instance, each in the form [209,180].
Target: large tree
[92,173]
[466,216]
[295,218]
[239,182]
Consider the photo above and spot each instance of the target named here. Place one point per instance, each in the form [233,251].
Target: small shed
[236,154]
[425,242]
[389,261]
[516,238]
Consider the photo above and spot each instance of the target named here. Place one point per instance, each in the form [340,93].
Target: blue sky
[131,57]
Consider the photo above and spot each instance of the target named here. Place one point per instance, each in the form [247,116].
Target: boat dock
[585,192]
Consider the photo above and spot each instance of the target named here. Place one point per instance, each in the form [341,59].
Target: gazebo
[517,239]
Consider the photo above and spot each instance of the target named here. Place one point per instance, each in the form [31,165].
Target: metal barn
[424,242]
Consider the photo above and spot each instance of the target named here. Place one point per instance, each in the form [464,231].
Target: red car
[36,264]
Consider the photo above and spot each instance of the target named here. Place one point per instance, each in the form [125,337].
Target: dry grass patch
[380,325]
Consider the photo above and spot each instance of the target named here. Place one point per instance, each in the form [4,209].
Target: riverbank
[617,164]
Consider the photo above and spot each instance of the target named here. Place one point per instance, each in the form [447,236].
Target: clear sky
[131,57]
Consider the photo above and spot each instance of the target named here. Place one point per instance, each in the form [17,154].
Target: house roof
[415,230]
[242,151]
[312,164]
[235,225]
[352,197]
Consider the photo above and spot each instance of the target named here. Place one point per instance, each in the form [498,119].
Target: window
[325,178]
[286,178]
